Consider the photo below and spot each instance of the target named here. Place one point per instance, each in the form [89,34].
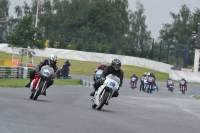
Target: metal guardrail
[8,72]
[15,72]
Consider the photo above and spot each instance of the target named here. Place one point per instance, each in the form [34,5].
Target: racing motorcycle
[39,83]
[133,81]
[150,86]
[183,86]
[143,84]
[98,74]
[170,85]
[105,91]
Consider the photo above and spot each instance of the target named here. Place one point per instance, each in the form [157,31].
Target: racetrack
[67,109]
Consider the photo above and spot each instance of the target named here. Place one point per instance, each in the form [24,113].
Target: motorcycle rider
[101,67]
[52,60]
[144,76]
[152,75]
[185,84]
[113,69]
[134,75]
[169,80]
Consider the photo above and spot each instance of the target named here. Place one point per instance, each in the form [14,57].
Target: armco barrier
[8,72]
[15,72]
[87,83]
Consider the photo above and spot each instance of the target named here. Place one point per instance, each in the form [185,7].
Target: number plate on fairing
[112,84]
[46,73]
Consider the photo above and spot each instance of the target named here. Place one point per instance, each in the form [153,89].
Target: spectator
[30,64]
[65,68]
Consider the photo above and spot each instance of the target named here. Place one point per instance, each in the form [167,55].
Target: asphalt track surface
[67,109]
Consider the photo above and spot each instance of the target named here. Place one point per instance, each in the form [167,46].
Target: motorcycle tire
[141,87]
[38,91]
[103,100]
[32,94]
[94,105]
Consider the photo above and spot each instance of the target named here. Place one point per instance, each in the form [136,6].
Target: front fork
[43,87]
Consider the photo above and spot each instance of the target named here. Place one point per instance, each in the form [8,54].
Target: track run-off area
[68,109]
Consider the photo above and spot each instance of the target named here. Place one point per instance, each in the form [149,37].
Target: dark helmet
[169,78]
[134,75]
[151,73]
[183,78]
[116,64]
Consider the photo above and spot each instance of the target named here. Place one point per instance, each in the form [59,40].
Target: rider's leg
[96,86]
[48,85]
[32,74]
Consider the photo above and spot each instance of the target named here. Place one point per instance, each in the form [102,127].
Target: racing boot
[44,93]
[29,84]
[107,103]
[92,94]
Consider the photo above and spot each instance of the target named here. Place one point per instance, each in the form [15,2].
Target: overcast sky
[156,11]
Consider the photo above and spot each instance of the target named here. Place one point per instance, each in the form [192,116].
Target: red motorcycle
[150,86]
[133,82]
[39,83]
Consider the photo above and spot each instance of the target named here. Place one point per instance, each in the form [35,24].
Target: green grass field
[87,68]
[197,97]
[22,82]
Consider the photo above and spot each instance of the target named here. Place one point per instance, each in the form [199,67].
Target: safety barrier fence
[87,83]
[15,72]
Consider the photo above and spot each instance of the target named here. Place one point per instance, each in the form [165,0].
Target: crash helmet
[116,64]
[53,59]
[103,65]
[151,73]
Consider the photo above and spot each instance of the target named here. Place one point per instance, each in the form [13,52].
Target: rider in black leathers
[52,62]
[113,69]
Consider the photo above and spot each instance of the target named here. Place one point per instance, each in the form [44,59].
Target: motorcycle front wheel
[102,100]
[38,91]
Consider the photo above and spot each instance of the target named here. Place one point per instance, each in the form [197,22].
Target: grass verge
[197,97]
[87,68]
[14,83]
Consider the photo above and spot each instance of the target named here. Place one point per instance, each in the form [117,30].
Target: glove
[101,80]
[37,71]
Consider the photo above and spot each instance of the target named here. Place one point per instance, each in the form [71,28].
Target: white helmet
[103,65]
[53,59]
[148,74]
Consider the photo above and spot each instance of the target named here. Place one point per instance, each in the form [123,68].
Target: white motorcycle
[170,85]
[105,91]
[144,85]
[98,74]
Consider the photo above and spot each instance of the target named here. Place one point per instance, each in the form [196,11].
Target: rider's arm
[55,68]
[39,66]
[105,72]
[121,77]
